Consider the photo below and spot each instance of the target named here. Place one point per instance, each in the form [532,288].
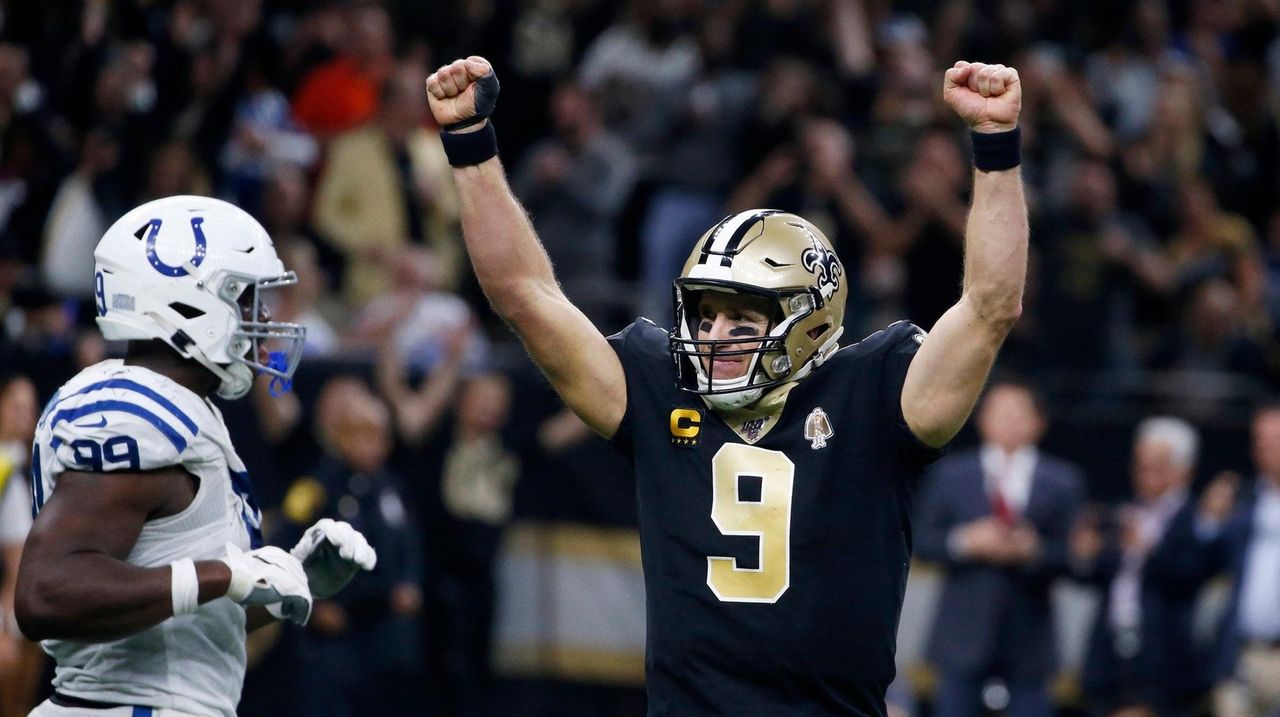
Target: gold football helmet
[770,254]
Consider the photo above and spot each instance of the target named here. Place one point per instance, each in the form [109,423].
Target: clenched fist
[988,97]
[462,93]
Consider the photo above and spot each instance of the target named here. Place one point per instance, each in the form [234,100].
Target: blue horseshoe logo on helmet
[196,260]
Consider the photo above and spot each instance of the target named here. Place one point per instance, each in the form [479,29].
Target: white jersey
[113,417]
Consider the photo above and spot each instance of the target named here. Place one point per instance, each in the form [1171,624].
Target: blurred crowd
[1152,160]
[1006,521]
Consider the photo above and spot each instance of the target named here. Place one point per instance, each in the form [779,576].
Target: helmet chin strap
[824,352]
[732,400]
[233,381]
[237,379]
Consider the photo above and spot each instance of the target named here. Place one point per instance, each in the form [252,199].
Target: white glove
[331,552]
[271,577]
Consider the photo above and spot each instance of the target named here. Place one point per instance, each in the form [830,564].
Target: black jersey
[775,549]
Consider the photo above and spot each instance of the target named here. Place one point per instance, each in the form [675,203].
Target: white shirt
[1009,474]
[1260,586]
[1126,589]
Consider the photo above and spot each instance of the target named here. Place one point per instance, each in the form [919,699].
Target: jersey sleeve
[642,349]
[120,425]
[899,343]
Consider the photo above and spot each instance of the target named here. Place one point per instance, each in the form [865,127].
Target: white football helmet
[191,271]
[776,256]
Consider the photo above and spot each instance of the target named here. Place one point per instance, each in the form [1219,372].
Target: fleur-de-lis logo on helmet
[824,265]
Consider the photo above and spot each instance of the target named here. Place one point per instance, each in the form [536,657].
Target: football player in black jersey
[774,469]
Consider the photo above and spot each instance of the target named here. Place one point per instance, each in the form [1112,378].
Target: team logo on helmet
[824,265]
[196,260]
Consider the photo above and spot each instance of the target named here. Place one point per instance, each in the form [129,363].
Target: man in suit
[999,518]
[1150,563]
[1247,664]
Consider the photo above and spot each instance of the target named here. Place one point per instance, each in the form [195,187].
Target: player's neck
[157,356]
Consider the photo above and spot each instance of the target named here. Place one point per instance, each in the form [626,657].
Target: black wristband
[998,150]
[466,149]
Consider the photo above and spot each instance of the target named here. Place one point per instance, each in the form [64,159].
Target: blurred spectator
[175,169]
[203,120]
[999,518]
[641,66]
[1271,264]
[1212,335]
[693,164]
[342,93]
[1175,148]
[286,215]
[797,29]
[418,411]
[33,159]
[1150,564]
[21,661]
[476,477]
[417,316]
[1247,665]
[360,653]
[574,185]
[297,303]
[42,329]
[80,214]
[906,94]
[929,231]
[1123,75]
[788,90]
[1209,240]
[1062,124]
[463,483]
[263,135]
[1101,270]
[387,185]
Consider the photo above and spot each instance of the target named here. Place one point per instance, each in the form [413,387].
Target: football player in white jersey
[145,566]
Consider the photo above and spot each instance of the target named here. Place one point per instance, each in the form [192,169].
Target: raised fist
[988,97]
[462,93]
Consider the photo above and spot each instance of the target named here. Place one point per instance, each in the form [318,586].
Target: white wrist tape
[185,587]
[241,579]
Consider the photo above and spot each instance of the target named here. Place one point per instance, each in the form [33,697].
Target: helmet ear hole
[187,311]
[817,331]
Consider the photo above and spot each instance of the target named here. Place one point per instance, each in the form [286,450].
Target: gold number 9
[768,519]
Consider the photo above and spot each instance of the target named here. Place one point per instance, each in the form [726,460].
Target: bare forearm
[951,367]
[508,259]
[949,370]
[93,597]
[510,263]
[996,247]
